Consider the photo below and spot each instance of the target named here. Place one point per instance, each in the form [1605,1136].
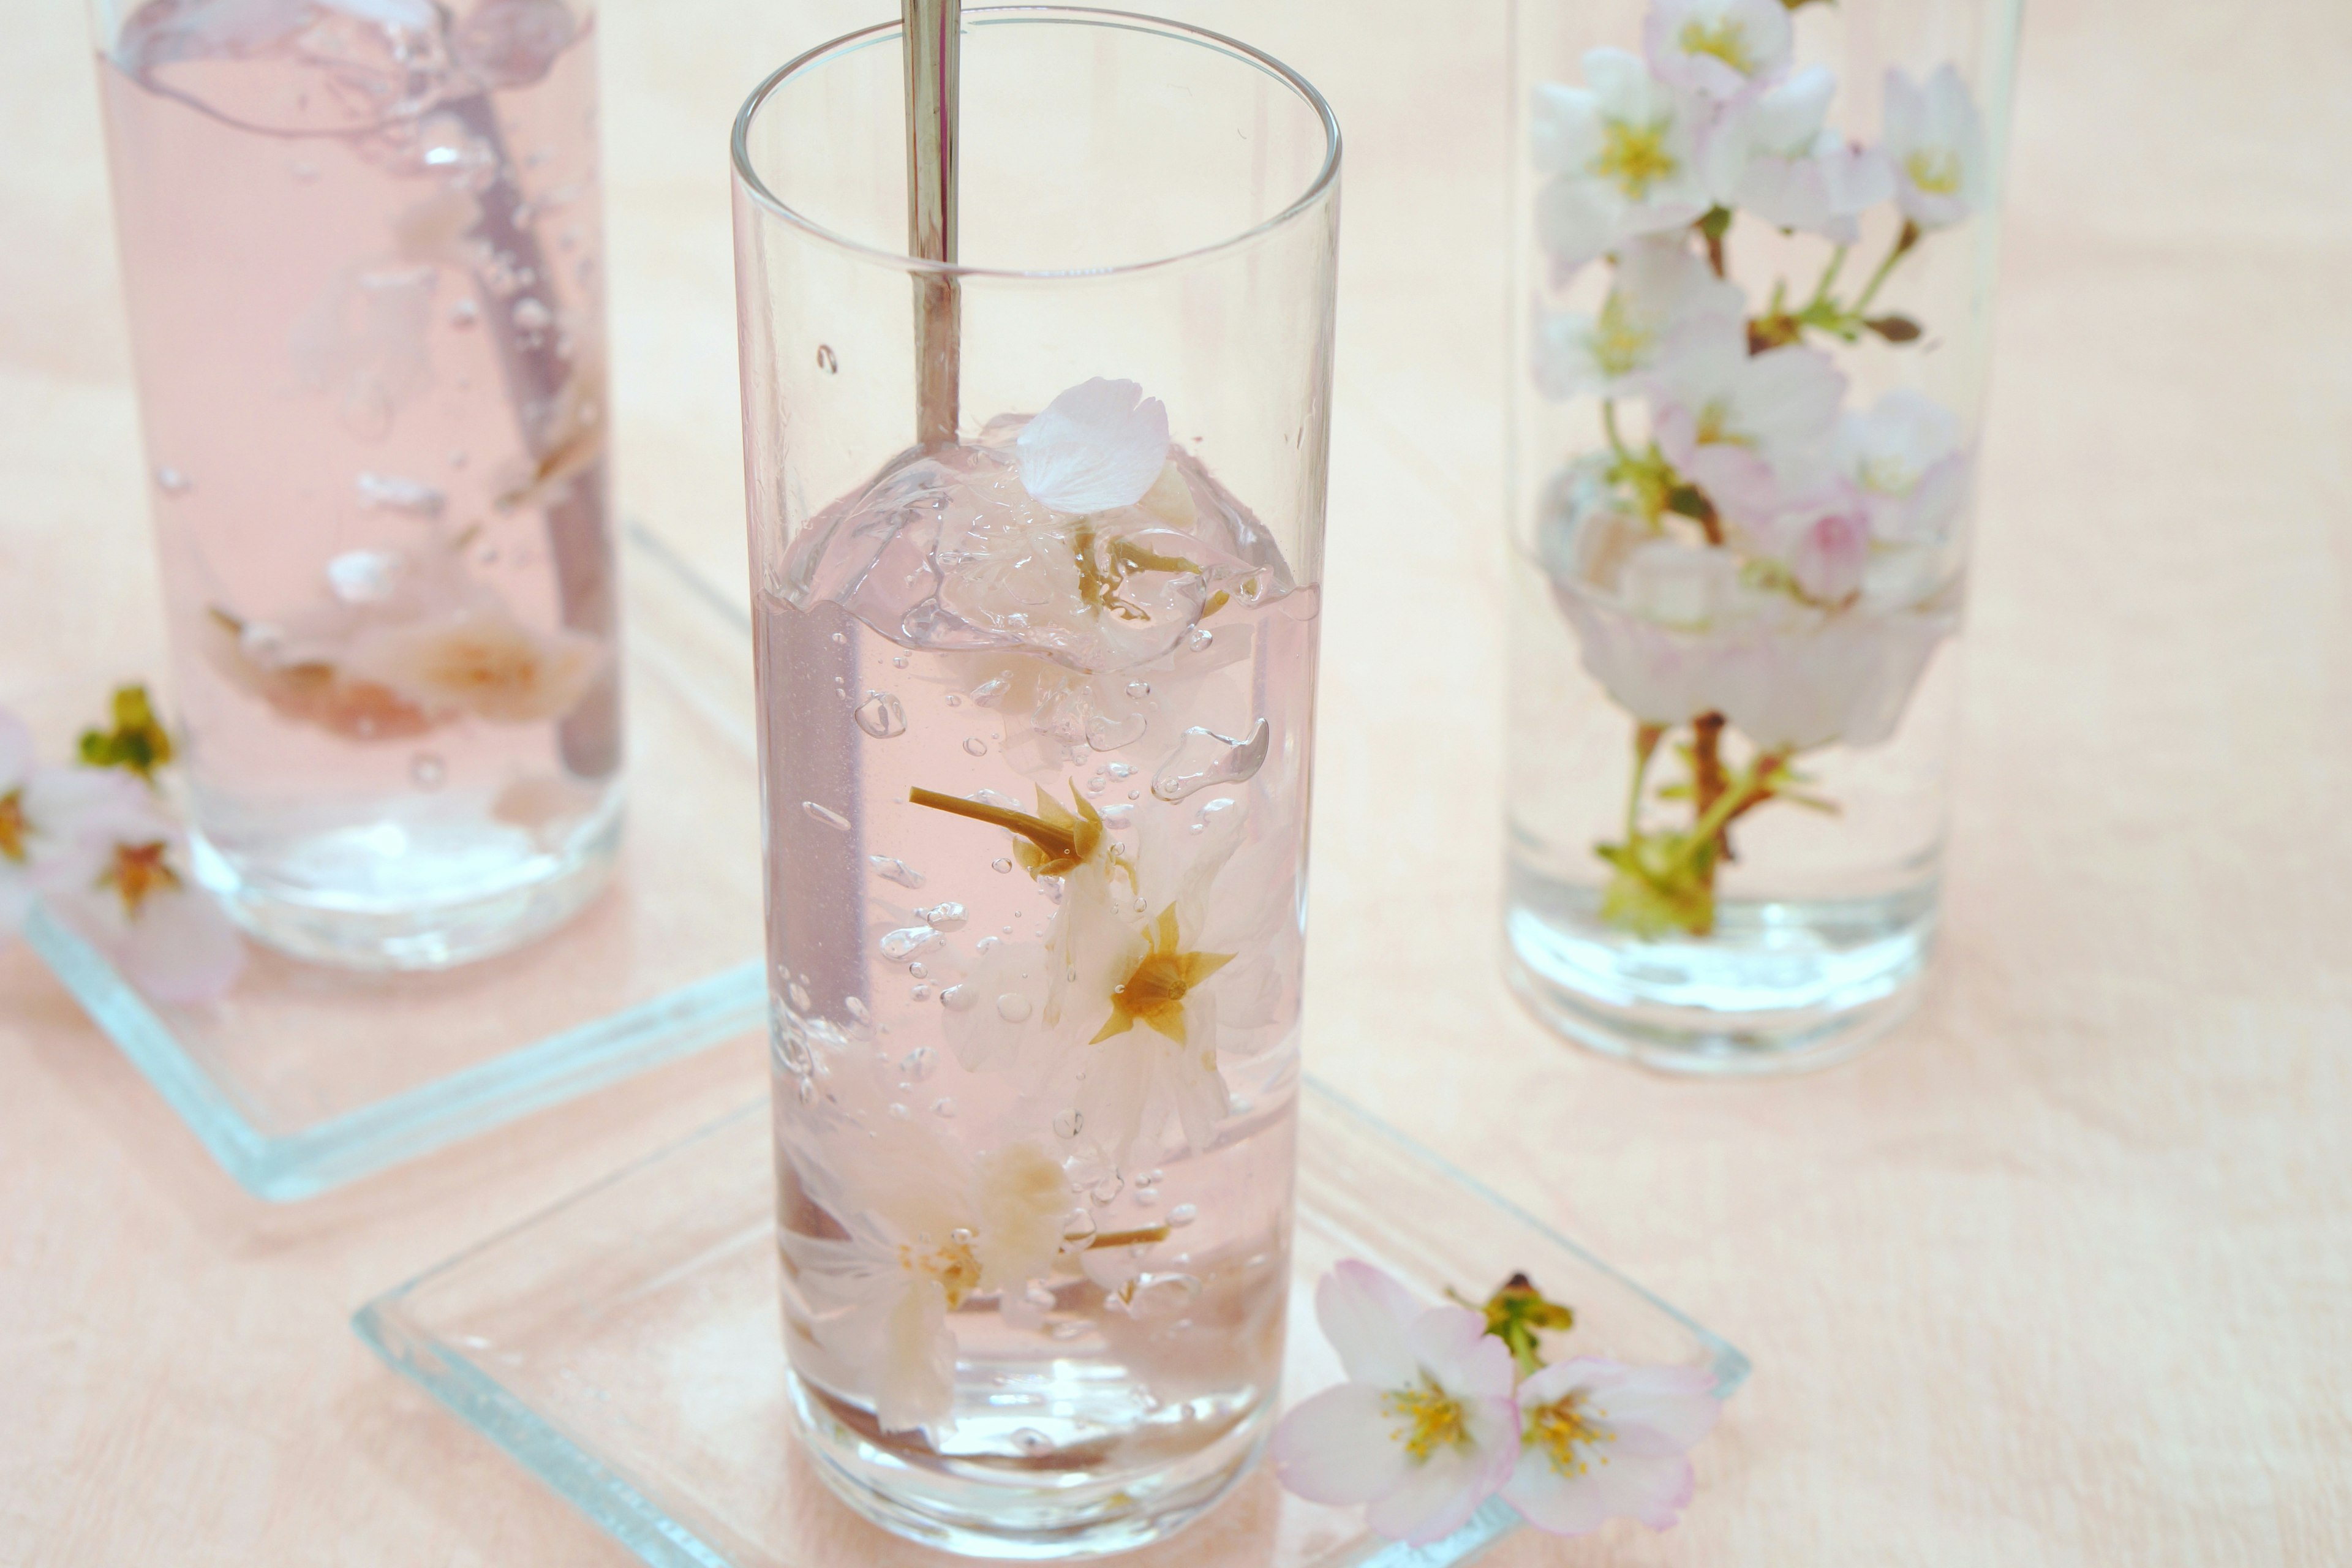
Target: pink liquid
[927,638]
[364,264]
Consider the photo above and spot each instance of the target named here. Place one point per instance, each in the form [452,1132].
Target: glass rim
[1325,176]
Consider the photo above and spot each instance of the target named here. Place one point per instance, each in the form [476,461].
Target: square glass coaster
[627,1347]
[304,1077]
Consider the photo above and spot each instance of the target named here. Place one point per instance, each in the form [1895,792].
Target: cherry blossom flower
[1154,962]
[1601,1441]
[1622,157]
[1663,306]
[1816,679]
[47,817]
[478,661]
[1775,154]
[128,890]
[1824,543]
[1099,446]
[1673,631]
[927,1229]
[1424,1429]
[1719,47]
[1936,140]
[1751,429]
[1904,455]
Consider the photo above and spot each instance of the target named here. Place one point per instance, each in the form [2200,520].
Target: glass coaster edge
[402,1127]
[1731,1366]
[571,1469]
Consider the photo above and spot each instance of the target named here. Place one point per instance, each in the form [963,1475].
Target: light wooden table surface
[2063,1274]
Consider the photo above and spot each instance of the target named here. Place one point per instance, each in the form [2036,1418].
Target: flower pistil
[1153,991]
[1636,157]
[137,873]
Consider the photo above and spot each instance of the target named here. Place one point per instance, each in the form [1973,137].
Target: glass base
[1778,988]
[1045,1523]
[543,892]
[303,1077]
[625,1348]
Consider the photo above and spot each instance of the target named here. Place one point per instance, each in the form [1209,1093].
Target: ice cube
[341,64]
[512,43]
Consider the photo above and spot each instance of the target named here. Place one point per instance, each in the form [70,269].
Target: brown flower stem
[1149,1233]
[1706,763]
[1058,843]
[1711,228]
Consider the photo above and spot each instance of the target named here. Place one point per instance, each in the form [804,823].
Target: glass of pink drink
[362,250]
[1036,674]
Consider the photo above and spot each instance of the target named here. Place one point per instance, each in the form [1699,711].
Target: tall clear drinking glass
[1036,676]
[363,251]
[1756,247]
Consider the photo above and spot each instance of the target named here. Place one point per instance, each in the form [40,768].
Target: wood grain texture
[2057,1277]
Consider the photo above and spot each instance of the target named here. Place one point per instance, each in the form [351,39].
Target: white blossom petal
[482,662]
[1719,47]
[1337,1448]
[1436,1497]
[1935,139]
[914,1385]
[1098,446]
[1451,1344]
[1366,1316]
[181,949]
[1638,1424]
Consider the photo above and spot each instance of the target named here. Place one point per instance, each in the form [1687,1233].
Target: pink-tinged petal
[1653,1490]
[1453,1345]
[1098,446]
[1659,1410]
[1436,1497]
[1366,1315]
[1339,1447]
[181,949]
[1831,554]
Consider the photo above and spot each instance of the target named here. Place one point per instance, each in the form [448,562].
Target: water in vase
[362,248]
[1036,769]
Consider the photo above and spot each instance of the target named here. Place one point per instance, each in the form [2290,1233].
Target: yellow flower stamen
[1618,342]
[1431,1419]
[1154,993]
[1634,157]
[137,873]
[1725,38]
[14,827]
[1935,170]
[955,1266]
[1564,1432]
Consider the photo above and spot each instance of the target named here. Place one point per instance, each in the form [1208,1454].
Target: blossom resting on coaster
[1446,1406]
[97,843]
